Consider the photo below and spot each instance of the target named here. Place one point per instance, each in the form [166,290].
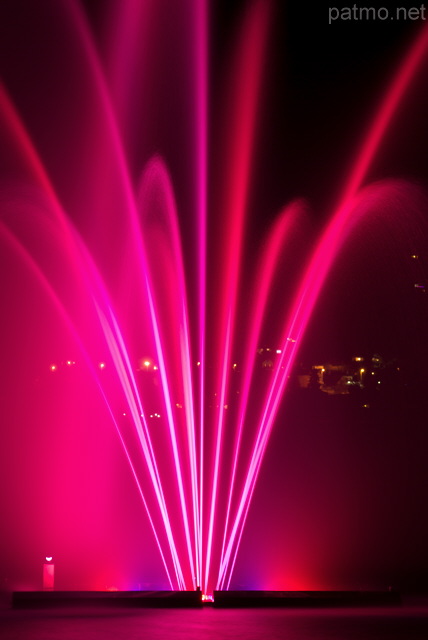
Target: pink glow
[162,331]
[329,245]
[201,155]
[276,243]
[240,131]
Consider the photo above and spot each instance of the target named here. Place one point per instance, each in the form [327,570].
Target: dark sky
[323,84]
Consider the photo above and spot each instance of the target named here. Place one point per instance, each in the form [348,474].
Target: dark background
[341,482]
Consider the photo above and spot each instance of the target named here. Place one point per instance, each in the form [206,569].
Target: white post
[48,574]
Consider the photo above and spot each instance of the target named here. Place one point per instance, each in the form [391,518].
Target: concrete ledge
[189,599]
[292,599]
[50,599]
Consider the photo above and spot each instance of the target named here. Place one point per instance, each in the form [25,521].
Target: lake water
[409,622]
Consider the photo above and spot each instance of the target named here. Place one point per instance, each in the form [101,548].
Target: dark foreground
[406,622]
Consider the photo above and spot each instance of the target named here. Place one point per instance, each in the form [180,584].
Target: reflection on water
[401,623]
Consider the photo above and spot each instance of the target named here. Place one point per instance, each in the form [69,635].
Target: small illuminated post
[48,574]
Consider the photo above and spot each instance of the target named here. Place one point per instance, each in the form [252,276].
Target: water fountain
[131,289]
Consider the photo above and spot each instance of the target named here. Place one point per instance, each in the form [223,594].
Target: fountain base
[143,599]
[295,599]
[189,599]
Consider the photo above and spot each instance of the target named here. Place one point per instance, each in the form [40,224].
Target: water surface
[400,623]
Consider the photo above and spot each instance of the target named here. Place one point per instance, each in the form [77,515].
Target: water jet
[148,318]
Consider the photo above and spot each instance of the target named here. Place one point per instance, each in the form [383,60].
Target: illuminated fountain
[144,282]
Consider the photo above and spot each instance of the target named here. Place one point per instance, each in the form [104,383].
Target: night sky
[323,85]
[342,494]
